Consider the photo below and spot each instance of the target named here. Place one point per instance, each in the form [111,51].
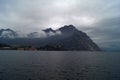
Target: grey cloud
[107,32]
[44,13]
[34,15]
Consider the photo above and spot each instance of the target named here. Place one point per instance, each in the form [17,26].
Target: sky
[100,19]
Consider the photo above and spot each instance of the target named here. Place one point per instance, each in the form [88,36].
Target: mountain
[64,38]
[49,30]
[33,35]
[72,39]
[7,33]
[3,45]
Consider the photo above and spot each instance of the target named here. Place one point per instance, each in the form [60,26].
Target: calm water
[66,65]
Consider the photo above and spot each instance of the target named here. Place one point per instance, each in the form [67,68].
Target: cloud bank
[99,18]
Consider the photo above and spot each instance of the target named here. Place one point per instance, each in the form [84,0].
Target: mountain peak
[7,33]
[8,29]
[68,28]
[49,30]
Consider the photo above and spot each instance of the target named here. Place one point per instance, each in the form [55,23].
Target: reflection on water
[66,65]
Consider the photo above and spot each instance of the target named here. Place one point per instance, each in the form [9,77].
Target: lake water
[62,65]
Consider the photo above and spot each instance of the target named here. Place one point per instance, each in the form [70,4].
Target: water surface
[59,65]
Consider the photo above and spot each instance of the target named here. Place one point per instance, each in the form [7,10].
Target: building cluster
[17,48]
[32,48]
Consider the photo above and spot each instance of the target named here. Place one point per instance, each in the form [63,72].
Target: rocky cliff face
[64,38]
[72,39]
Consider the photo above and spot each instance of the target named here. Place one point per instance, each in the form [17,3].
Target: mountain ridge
[67,37]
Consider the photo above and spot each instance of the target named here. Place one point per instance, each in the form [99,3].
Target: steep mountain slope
[72,39]
[64,38]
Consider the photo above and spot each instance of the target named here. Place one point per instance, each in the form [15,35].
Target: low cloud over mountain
[64,38]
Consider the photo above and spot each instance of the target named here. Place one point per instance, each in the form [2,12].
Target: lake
[59,65]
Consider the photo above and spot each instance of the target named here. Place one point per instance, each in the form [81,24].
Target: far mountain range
[67,37]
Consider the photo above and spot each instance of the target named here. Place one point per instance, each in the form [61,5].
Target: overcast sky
[100,19]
